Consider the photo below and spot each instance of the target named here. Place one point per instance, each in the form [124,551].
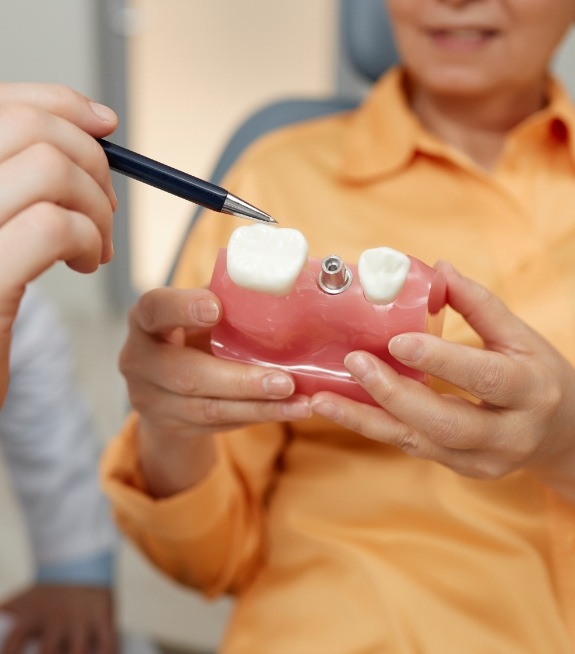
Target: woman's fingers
[497,326]
[204,414]
[380,425]
[445,429]
[189,371]
[499,374]
[162,310]
[419,411]
[494,378]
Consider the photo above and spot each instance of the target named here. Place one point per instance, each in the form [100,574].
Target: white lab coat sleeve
[49,445]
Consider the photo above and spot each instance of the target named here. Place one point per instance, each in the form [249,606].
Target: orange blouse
[333,543]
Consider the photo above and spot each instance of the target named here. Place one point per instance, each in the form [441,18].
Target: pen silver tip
[237,207]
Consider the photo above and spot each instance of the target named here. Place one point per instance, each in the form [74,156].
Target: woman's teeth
[464,34]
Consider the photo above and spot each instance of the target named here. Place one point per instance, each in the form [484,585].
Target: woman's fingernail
[299,409]
[360,366]
[326,409]
[277,384]
[104,113]
[407,348]
[442,264]
[205,310]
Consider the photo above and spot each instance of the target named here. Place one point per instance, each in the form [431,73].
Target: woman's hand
[524,416]
[184,394]
[56,195]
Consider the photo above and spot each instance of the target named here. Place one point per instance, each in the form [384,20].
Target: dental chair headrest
[367,37]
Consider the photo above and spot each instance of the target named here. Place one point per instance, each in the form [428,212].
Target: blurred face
[473,47]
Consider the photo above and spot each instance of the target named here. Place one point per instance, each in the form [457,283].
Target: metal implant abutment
[334,277]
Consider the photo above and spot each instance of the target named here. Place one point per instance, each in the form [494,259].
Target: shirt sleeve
[94,570]
[212,537]
[50,449]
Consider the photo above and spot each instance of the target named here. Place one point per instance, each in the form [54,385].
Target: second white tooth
[265,258]
[382,273]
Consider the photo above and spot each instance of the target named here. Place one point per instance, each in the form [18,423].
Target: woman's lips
[462,39]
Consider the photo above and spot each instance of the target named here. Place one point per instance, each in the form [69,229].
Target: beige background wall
[196,69]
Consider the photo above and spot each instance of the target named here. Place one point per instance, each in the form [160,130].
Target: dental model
[266,259]
[284,310]
[382,274]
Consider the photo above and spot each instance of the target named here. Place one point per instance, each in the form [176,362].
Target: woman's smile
[462,39]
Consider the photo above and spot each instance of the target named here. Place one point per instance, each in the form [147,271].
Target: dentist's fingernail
[110,252]
[360,366]
[277,384]
[407,348]
[205,310]
[104,113]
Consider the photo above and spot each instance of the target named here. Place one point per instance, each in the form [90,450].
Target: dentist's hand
[184,394]
[61,619]
[56,195]
[524,416]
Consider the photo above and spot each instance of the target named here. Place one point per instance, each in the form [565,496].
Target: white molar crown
[266,258]
[382,274]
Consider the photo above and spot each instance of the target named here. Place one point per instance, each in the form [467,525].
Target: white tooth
[266,258]
[466,34]
[382,274]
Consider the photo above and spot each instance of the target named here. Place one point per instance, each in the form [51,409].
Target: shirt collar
[558,116]
[380,137]
[383,133]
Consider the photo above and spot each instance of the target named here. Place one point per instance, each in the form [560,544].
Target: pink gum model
[309,332]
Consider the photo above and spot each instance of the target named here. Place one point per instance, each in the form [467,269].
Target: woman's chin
[457,83]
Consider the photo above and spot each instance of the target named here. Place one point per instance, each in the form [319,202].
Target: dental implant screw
[335,277]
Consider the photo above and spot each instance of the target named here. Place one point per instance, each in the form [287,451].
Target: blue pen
[179,183]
